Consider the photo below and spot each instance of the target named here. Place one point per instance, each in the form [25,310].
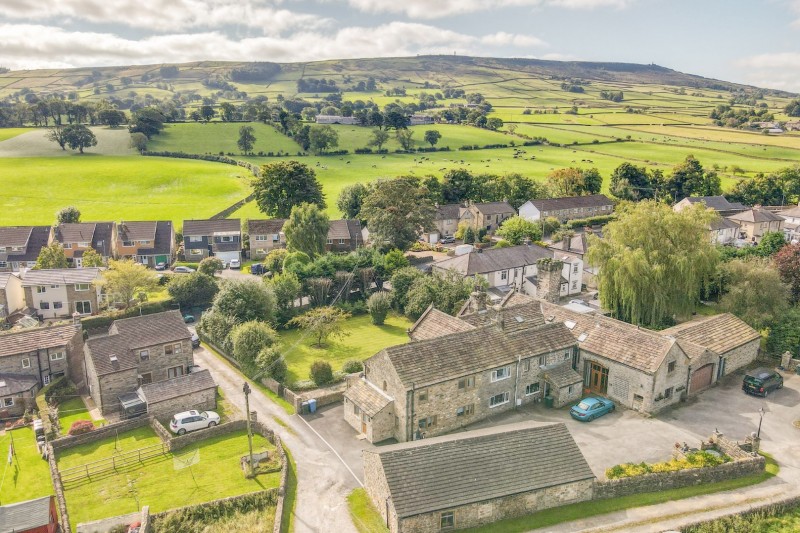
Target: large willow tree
[653,261]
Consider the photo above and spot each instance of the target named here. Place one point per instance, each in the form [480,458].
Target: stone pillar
[786,359]
[548,285]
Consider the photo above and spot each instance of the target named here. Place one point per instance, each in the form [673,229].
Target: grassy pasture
[215,137]
[7,133]
[33,142]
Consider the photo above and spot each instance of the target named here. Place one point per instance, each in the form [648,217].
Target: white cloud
[27,46]
[431,9]
[776,71]
[155,16]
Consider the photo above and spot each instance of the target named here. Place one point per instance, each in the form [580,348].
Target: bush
[592,221]
[354,308]
[79,427]
[198,517]
[352,366]
[59,390]
[379,305]
[321,373]
[696,459]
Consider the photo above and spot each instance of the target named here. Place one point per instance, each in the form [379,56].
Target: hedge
[208,157]
[147,308]
[196,517]
[591,221]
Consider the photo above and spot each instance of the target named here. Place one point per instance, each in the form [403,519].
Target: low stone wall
[730,448]
[155,517]
[658,481]
[162,432]
[58,487]
[324,396]
[106,524]
[100,433]
[279,505]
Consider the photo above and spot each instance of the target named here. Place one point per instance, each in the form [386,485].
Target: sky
[755,42]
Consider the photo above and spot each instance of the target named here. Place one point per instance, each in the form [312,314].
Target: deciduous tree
[306,229]
[245,300]
[68,215]
[91,258]
[284,185]
[210,266]
[404,138]
[753,291]
[52,256]
[322,323]
[321,138]
[79,137]
[787,261]
[396,211]
[249,339]
[379,138]
[196,289]
[247,139]
[432,137]
[516,229]
[58,135]
[350,199]
[126,278]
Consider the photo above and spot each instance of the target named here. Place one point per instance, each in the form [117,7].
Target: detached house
[720,204]
[472,479]
[516,268]
[567,208]
[755,222]
[220,238]
[344,236]
[791,225]
[265,236]
[78,237]
[20,246]
[61,292]
[12,295]
[489,215]
[445,221]
[148,243]
[136,351]
[31,358]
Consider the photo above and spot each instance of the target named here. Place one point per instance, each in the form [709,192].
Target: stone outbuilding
[192,391]
[476,478]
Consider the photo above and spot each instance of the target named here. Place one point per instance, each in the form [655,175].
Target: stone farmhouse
[78,237]
[517,268]
[62,292]
[147,242]
[20,246]
[12,296]
[220,238]
[461,481]
[30,359]
[567,208]
[720,204]
[136,351]
[754,223]
[488,215]
[265,236]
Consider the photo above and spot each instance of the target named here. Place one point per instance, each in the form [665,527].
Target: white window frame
[261,238]
[67,245]
[84,244]
[505,400]
[78,287]
[85,303]
[144,355]
[504,275]
[128,244]
[226,238]
[193,238]
[330,241]
[8,402]
[500,374]
[26,362]
[57,356]
[40,289]
[529,392]
[46,380]
[341,241]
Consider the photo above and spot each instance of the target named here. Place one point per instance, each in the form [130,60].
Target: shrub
[352,366]
[357,307]
[379,305]
[59,390]
[321,373]
[270,361]
[79,427]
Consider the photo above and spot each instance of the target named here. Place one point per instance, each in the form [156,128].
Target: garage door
[701,378]
[227,256]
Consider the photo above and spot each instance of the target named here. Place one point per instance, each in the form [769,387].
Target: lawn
[365,517]
[28,476]
[215,137]
[34,143]
[94,451]
[364,340]
[117,188]
[71,411]
[166,482]
[7,133]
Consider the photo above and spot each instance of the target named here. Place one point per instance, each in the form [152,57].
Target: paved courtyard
[628,436]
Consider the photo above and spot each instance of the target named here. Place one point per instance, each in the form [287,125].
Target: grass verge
[290,495]
[365,517]
[566,513]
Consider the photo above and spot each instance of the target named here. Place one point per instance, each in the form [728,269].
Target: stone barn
[192,391]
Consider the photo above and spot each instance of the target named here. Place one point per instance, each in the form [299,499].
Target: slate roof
[718,333]
[445,472]
[272,226]
[36,240]
[137,231]
[367,397]
[618,341]
[571,202]
[722,223]
[97,234]
[494,259]
[434,323]
[4,277]
[717,203]
[451,356]
[577,244]
[755,215]
[25,515]
[60,276]
[165,238]
[129,334]
[494,208]
[344,229]
[160,391]
[210,227]
[39,338]
[794,212]
[226,246]
[562,375]
[512,317]
[448,212]
[16,383]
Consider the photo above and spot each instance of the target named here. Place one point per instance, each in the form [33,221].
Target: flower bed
[694,459]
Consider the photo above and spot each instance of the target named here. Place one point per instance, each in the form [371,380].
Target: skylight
[582,337]
[570,324]
[519,319]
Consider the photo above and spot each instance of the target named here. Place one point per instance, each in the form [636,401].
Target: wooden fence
[112,464]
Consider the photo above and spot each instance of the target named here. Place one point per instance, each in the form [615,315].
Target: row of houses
[148,358]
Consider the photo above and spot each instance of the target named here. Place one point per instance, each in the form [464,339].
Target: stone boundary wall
[100,433]
[787,502]
[659,481]
[324,396]
[58,487]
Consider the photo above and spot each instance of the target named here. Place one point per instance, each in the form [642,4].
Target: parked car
[161,266]
[235,263]
[257,269]
[591,408]
[195,340]
[447,240]
[182,270]
[188,318]
[761,381]
[192,421]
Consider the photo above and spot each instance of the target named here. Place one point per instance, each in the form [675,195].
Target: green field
[216,137]
[7,133]
[28,476]
[117,188]
[364,340]
[216,474]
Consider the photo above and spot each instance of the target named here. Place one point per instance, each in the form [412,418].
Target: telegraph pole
[246,390]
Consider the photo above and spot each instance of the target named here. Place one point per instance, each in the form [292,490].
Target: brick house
[488,215]
[78,237]
[755,222]
[148,242]
[567,208]
[31,358]
[31,516]
[12,295]
[20,246]
[219,238]
[265,236]
[196,390]
[61,292]
[457,371]
[136,351]
[476,478]
[515,268]
[344,236]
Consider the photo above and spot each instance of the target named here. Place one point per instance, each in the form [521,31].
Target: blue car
[591,408]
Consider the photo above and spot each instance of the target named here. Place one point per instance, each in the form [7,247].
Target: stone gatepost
[548,282]
[786,360]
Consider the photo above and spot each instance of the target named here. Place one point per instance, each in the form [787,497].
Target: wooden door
[598,378]
[363,424]
[701,378]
